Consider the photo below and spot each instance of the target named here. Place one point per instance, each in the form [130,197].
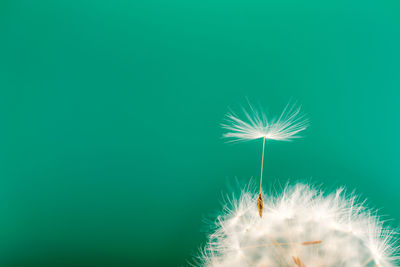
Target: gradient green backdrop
[110,148]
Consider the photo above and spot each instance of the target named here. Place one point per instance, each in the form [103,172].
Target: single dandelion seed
[256,125]
[311,242]
[260,202]
[298,262]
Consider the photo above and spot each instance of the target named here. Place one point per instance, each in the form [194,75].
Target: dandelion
[256,125]
[300,227]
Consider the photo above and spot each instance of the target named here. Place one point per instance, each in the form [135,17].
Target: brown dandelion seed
[298,262]
[260,204]
[311,242]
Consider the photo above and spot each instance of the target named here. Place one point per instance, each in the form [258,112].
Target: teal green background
[110,144]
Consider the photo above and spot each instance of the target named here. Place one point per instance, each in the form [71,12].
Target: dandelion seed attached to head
[256,125]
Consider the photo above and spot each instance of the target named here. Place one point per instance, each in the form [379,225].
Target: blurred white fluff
[255,125]
[301,227]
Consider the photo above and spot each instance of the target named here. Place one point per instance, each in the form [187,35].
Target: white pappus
[256,125]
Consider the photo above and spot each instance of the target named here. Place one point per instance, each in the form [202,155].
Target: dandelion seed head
[300,227]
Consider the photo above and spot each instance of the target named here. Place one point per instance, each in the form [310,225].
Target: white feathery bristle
[300,227]
[256,125]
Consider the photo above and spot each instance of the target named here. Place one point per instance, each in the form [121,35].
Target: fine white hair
[300,227]
[254,124]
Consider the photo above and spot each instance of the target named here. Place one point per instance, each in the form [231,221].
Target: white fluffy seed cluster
[300,227]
